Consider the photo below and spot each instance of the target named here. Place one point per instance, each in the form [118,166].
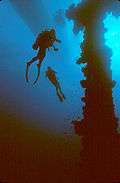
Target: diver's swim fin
[27,69]
[38,66]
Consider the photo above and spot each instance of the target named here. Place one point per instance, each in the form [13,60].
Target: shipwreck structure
[100,155]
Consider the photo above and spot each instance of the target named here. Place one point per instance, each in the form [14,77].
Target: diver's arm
[55,49]
[57,40]
[35,46]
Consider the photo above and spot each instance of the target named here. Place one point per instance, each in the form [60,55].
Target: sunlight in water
[63,62]
[112,40]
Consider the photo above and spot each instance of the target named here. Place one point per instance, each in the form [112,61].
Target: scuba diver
[51,75]
[44,41]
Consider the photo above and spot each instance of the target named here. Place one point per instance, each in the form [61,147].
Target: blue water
[112,40]
[39,105]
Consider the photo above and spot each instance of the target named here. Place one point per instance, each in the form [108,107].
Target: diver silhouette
[51,75]
[44,41]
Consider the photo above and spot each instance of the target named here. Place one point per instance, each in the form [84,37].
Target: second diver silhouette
[51,75]
[44,41]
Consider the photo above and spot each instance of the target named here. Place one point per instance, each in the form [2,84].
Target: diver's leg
[60,90]
[61,98]
[33,60]
[28,65]
[38,75]
[41,55]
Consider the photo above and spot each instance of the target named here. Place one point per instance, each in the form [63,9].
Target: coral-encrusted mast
[100,157]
